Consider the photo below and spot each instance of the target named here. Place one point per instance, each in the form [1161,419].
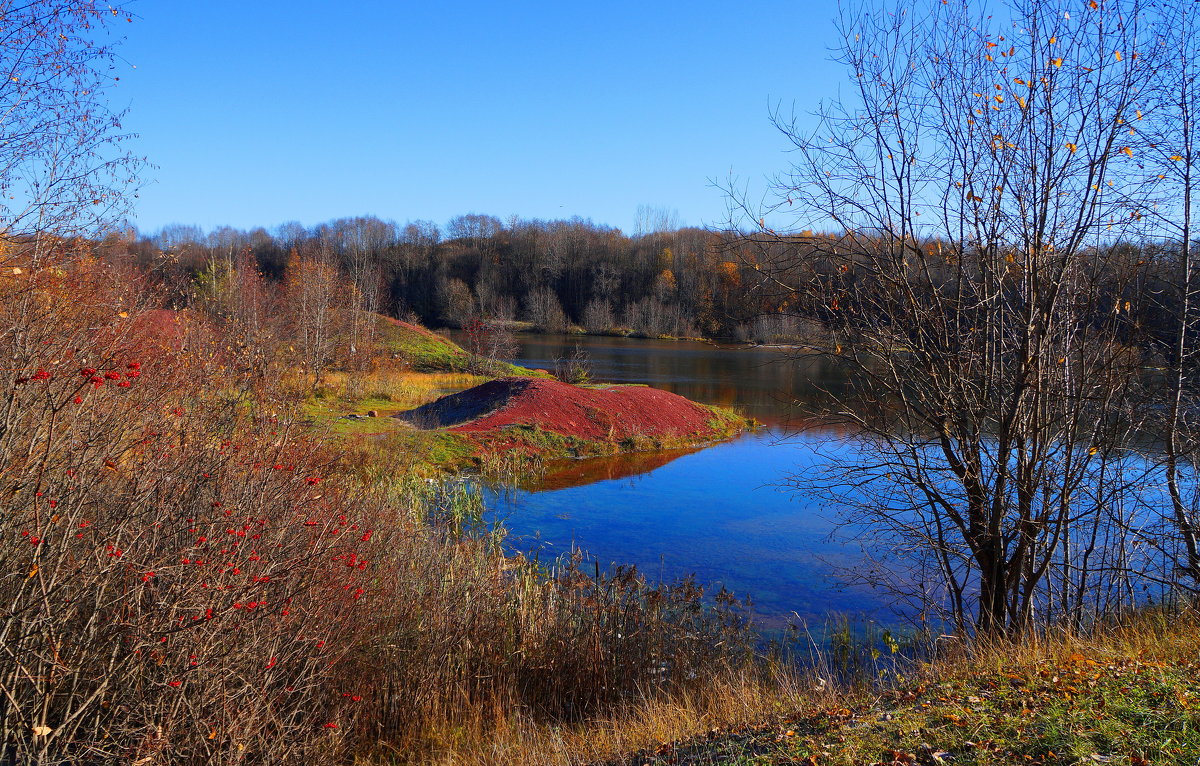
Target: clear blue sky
[267,111]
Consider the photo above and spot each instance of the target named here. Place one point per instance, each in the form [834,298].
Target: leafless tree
[359,242]
[1174,150]
[63,168]
[598,316]
[976,176]
[651,220]
[315,293]
[543,309]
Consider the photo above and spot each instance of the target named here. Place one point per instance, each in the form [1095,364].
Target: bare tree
[977,174]
[490,343]
[360,244]
[62,165]
[1174,146]
[315,292]
[654,220]
[544,310]
[598,316]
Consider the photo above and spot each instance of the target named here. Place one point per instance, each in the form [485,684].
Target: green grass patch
[427,451]
[551,443]
[330,417]
[425,351]
[726,422]
[1115,708]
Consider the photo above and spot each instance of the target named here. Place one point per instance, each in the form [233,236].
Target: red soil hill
[601,414]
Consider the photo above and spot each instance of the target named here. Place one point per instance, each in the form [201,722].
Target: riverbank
[575,331]
[1124,694]
[1127,694]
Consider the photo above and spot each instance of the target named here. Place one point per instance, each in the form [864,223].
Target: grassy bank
[1126,694]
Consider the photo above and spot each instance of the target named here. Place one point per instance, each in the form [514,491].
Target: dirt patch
[611,414]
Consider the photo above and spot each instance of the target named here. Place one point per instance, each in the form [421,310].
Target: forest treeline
[575,274]
[681,282]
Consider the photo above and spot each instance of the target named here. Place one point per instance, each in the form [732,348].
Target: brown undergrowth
[1128,691]
[190,574]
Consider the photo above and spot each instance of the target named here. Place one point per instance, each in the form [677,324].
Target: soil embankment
[583,420]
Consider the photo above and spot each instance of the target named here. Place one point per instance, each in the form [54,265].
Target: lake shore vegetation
[218,548]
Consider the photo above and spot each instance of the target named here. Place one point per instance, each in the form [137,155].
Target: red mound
[603,414]
[408,326]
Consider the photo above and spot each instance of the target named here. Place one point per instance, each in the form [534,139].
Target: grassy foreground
[1129,694]
[1125,695]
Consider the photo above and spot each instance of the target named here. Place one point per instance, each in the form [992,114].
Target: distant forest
[576,275]
[555,275]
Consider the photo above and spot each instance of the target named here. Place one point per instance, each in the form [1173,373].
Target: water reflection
[721,512]
[718,513]
[564,474]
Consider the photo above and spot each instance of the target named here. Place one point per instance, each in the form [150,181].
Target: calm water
[760,382]
[722,512]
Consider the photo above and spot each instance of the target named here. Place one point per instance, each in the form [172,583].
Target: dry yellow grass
[397,390]
[391,390]
[727,701]
[749,718]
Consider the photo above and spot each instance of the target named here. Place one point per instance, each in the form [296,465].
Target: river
[723,513]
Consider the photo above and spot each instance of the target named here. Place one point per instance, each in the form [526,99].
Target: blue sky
[261,112]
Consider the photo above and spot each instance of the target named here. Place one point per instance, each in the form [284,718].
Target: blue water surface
[724,513]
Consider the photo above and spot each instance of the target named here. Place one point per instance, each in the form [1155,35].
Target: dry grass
[400,390]
[392,390]
[728,699]
[1121,693]
[1126,692]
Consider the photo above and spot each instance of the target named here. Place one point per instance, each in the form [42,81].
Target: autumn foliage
[177,571]
[188,577]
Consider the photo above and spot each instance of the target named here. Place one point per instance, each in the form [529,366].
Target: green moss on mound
[423,349]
